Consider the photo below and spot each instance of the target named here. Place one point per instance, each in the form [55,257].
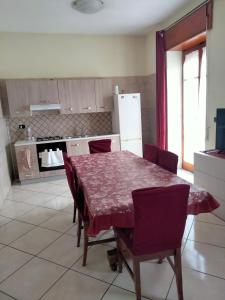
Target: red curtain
[161,91]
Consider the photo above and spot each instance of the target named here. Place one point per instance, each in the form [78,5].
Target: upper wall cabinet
[20,93]
[42,91]
[104,98]
[77,95]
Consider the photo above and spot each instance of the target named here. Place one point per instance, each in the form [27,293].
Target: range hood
[44,107]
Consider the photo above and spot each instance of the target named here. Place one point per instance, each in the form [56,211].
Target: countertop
[66,139]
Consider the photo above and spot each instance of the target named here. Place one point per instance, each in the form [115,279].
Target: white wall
[215,61]
[5,182]
[68,55]
[174,92]
[216,69]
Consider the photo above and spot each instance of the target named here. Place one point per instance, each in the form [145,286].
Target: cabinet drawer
[28,174]
[78,147]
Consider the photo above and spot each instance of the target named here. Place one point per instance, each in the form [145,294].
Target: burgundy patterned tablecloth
[107,180]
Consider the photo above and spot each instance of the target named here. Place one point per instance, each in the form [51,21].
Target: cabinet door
[104,96]
[115,143]
[27,162]
[77,96]
[42,91]
[77,147]
[18,99]
[23,92]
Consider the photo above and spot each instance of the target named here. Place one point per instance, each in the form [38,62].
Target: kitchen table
[107,180]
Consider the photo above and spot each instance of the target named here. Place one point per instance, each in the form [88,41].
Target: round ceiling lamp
[88,6]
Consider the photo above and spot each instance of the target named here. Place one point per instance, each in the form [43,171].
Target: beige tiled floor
[39,258]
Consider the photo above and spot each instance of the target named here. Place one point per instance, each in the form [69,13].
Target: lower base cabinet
[27,160]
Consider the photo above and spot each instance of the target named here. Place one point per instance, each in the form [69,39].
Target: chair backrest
[151,153]
[160,216]
[168,160]
[100,146]
[72,182]
[70,175]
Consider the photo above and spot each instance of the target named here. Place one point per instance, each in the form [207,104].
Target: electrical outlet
[21,126]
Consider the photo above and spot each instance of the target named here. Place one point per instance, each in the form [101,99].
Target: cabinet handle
[102,106]
[89,107]
[75,145]
[17,112]
[28,175]
[71,109]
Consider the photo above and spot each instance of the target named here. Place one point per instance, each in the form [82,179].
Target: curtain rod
[188,14]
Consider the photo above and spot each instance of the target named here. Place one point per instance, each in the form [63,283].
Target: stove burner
[49,138]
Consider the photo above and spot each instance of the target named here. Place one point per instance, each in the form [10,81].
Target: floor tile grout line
[38,205]
[52,285]
[24,222]
[206,243]
[205,273]
[199,221]
[8,295]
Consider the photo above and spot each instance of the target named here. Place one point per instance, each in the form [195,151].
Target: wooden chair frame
[83,223]
[135,273]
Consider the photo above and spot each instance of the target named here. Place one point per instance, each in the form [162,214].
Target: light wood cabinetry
[74,95]
[77,147]
[27,162]
[80,147]
[42,91]
[77,96]
[115,143]
[103,92]
[20,93]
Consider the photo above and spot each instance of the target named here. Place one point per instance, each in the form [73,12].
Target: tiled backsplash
[63,125]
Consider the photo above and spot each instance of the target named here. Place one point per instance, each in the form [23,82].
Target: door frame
[185,165]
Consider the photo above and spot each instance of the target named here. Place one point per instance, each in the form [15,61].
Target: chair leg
[85,245]
[119,256]
[160,261]
[74,212]
[137,278]
[178,273]
[79,230]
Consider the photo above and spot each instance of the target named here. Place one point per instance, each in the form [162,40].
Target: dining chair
[83,219]
[100,146]
[150,153]
[71,182]
[159,222]
[167,160]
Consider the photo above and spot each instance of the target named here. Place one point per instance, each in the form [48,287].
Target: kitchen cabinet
[104,97]
[77,95]
[80,147]
[27,162]
[115,146]
[20,93]
[77,147]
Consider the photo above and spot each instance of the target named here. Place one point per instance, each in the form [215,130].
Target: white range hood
[44,107]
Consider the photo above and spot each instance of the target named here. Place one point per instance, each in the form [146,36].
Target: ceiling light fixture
[88,6]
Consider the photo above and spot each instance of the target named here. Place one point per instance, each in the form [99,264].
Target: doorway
[193,104]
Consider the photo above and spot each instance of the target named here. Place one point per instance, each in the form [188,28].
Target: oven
[50,156]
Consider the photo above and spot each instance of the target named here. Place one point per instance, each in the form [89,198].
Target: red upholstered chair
[71,182]
[100,146]
[159,218]
[151,153]
[168,160]
[83,220]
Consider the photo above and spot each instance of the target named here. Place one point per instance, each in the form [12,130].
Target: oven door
[50,156]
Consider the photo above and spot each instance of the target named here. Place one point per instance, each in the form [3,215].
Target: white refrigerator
[126,119]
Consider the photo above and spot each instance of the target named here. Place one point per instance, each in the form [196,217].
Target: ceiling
[57,16]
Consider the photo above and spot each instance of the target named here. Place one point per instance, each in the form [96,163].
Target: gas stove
[49,138]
